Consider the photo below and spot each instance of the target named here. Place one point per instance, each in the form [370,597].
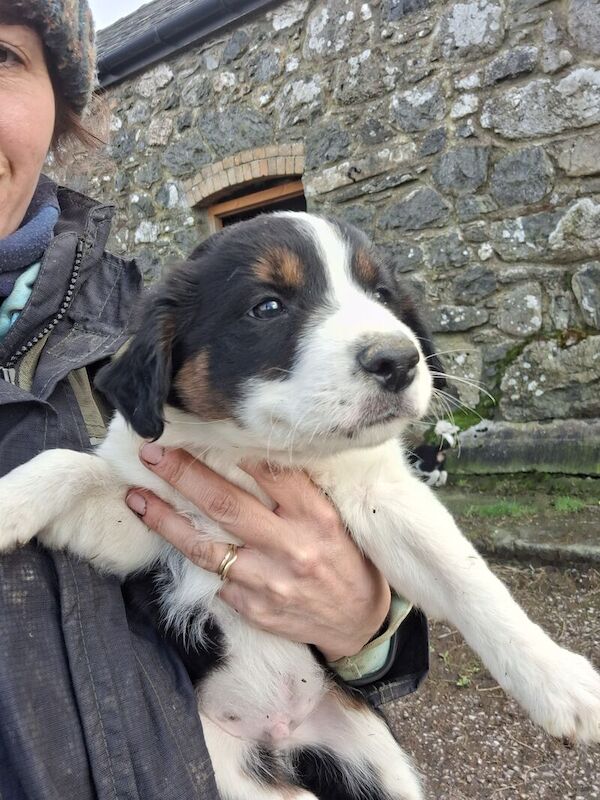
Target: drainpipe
[195,22]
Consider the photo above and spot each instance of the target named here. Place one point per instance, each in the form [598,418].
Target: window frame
[248,202]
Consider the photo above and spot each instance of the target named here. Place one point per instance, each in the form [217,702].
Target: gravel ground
[471,741]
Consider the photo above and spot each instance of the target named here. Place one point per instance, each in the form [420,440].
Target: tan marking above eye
[280,266]
[365,268]
[196,393]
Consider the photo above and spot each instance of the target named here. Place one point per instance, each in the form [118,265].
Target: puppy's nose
[392,364]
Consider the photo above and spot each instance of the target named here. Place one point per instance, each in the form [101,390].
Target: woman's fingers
[176,529]
[231,507]
[249,569]
[292,490]
[300,575]
[263,611]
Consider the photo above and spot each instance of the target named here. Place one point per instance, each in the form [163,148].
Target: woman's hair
[68,125]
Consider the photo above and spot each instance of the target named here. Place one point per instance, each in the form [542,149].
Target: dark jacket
[94,701]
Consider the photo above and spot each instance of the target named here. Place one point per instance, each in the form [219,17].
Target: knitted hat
[67,29]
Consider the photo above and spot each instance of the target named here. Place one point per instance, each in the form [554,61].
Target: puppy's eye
[269,308]
[382,295]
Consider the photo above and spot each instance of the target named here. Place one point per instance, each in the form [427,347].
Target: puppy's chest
[350,479]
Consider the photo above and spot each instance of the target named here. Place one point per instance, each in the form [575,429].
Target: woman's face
[26,121]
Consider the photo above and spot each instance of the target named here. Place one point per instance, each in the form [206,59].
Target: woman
[94,701]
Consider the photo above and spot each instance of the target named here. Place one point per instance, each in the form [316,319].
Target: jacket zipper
[61,311]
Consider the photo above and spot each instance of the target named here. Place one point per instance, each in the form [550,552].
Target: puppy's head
[285,331]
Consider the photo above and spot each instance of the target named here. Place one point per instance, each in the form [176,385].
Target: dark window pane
[287,204]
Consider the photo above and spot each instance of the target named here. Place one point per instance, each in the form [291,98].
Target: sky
[108,11]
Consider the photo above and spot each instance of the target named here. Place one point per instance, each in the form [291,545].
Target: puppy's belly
[263,688]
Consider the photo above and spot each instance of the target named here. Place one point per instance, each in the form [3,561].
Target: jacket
[96,702]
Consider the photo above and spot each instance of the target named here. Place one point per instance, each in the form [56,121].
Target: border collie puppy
[287,337]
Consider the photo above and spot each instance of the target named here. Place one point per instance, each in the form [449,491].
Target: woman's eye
[382,295]
[8,58]
[267,309]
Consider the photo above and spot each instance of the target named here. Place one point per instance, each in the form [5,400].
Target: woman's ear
[137,381]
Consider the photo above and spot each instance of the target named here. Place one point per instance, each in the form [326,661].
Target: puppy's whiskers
[446,408]
[291,436]
[451,403]
[271,432]
[475,384]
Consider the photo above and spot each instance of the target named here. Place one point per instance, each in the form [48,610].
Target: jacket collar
[84,216]
[80,239]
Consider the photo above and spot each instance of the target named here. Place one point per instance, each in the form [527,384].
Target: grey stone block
[524,176]
[475,284]
[586,286]
[393,10]
[423,208]
[448,250]
[419,108]
[462,170]
[584,24]
[471,29]
[433,142]
[509,64]
[235,129]
[569,446]
[520,310]
[456,318]
[549,381]
[544,107]
[326,143]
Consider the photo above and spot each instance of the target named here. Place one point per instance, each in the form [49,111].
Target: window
[288,196]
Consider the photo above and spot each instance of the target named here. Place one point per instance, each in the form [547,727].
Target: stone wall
[463,136]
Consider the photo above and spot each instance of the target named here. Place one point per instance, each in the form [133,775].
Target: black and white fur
[217,371]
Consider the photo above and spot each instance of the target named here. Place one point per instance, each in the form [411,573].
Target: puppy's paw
[407,793]
[18,523]
[569,707]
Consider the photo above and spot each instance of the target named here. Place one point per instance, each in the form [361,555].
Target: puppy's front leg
[73,500]
[35,494]
[411,537]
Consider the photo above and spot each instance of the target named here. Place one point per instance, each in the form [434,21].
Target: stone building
[464,137]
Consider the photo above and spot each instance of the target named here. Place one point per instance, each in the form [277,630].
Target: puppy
[287,337]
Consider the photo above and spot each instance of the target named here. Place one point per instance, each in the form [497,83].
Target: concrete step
[552,525]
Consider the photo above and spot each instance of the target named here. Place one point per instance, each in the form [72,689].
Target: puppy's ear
[137,382]
[414,320]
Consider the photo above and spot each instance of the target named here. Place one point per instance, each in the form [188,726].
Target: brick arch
[245,167]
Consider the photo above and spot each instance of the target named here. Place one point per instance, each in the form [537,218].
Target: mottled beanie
[67,29]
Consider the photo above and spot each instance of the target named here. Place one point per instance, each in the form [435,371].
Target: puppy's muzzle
[391,361]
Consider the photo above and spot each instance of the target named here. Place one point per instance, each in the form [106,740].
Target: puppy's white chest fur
[266,686]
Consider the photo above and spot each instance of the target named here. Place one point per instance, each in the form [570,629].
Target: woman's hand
[299,574]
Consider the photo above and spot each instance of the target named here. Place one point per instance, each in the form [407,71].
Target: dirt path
[473,743]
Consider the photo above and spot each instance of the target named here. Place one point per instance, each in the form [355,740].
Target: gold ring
[228,561]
